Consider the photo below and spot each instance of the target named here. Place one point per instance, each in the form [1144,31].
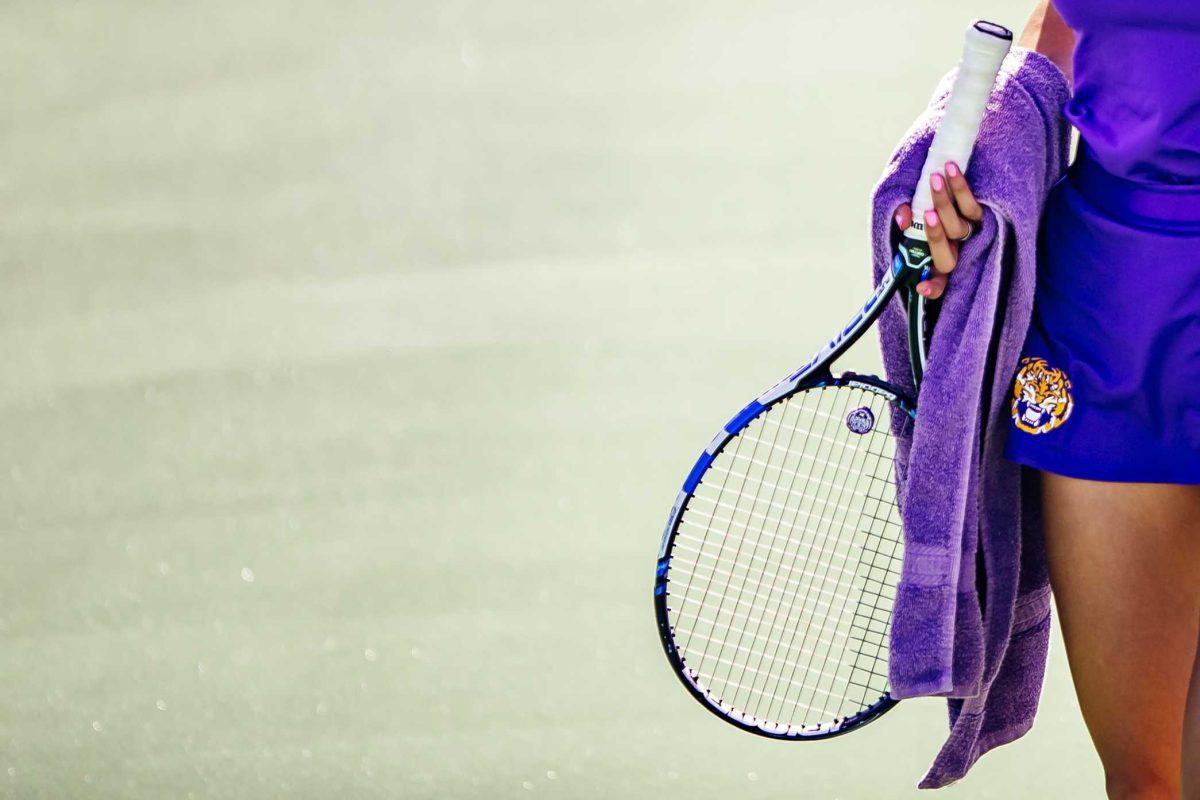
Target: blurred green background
[353,354]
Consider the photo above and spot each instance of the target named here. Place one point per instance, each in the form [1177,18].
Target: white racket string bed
[778,567]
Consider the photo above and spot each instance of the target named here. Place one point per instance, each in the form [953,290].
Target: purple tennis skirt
[1108,385]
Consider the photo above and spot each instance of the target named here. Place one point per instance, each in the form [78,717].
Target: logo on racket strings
[860,420]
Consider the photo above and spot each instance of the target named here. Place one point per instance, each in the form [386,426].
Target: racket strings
[740,539]
[826,618]
[809,701]
[783,571]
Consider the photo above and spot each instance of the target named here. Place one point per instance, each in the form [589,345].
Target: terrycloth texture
[973,624]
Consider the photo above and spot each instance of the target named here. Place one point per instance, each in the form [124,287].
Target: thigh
[1124,565]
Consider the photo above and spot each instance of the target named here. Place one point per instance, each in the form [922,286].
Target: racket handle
[985,47]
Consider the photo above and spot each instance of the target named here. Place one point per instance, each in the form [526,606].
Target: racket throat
[915,259]
[918,338]
[913,264]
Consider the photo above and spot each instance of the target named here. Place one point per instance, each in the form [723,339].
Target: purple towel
[972,614]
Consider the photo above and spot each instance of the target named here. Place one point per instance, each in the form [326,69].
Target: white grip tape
[985,47]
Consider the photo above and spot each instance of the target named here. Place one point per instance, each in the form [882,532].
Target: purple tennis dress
[1108,385]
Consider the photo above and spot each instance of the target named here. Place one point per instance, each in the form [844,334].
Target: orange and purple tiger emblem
[1041,396]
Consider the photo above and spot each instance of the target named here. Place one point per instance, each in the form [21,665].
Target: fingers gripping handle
[985,47]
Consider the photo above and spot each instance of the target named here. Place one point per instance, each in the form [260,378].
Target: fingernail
[935,180]
[931,218]
[952,169]
[923,290]
[899,222]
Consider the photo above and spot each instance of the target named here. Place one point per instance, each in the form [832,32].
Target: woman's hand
[953,207]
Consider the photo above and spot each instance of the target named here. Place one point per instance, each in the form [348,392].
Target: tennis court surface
[353,357]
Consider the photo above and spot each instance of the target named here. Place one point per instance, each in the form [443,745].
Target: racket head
[777,572]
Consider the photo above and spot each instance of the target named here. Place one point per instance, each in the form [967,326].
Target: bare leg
[1125,568]
[1191,739]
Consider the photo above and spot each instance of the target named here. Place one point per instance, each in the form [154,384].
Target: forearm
[1048,34]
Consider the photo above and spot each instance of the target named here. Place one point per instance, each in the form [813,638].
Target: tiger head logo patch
[1041,396]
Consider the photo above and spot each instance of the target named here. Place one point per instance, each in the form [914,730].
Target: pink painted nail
[935,180]
[952,169]
[931,218]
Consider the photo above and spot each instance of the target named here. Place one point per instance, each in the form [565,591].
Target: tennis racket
[778,567]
